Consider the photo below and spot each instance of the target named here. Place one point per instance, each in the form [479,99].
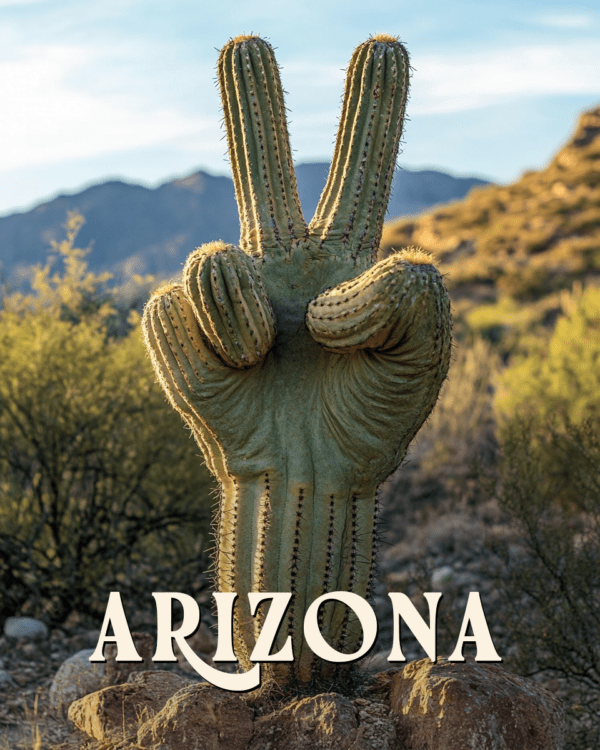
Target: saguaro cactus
[303,367]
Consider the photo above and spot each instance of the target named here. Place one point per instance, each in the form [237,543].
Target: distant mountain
[135,229]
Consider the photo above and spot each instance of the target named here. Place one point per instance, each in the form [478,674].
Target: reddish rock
[454,706]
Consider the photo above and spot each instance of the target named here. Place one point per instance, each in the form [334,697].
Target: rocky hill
[508,250]
[135,229]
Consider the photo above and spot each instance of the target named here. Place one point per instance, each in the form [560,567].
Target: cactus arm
[370,310]
[351,211]
[229,301]
[264,178]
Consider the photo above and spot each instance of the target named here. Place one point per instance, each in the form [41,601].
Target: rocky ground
[25,718]
[455,551]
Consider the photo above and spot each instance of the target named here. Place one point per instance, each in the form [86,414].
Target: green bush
[100,486]
[563,378]
[550,482]
[548,409]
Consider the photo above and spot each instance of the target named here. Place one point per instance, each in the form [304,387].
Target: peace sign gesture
[303,368]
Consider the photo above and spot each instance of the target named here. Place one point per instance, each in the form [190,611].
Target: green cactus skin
[303,367]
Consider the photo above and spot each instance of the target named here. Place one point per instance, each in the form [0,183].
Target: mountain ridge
[135,229]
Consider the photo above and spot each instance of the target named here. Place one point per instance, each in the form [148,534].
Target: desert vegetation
[100,486]
[506,470]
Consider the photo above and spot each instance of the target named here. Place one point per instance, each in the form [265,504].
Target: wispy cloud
[51,120]
[576,21]
[468,81]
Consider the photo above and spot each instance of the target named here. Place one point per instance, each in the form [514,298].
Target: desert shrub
[550,482]
[549,479]
[101,488]
[563,378]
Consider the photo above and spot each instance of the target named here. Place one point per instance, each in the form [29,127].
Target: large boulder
[424,706]
[26,628]
[116,712]
[78,676]
[453,706]
[328,722]
[200,717]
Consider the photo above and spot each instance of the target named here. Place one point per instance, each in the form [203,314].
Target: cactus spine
[302,367]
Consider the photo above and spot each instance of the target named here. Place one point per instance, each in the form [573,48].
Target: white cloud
[65,102]
[568,20]
[49,120]
[470,81]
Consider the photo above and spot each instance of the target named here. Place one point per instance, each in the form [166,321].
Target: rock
[161,684]
[118,671]
[199,717]
[453,706]
[6,680]
[441,577]
[376,729]
[76,677]
[117,711]
[25,627]
[323,721]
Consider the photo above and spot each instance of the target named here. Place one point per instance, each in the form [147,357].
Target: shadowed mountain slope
[513,248]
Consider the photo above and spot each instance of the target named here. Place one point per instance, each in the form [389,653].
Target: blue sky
[99,89]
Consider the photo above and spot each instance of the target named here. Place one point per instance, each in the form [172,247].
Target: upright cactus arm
[265,181]
[350,214]
[302,368]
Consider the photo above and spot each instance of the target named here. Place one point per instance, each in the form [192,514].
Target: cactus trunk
[280,534]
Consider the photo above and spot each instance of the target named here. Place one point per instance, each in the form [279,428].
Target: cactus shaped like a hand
[303,367]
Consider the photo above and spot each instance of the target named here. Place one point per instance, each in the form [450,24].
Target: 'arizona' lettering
[403,609]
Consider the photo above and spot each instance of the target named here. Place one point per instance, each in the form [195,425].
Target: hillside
[135,229]
[508,250]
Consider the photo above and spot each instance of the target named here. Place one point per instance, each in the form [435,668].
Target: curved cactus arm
[259,147]
[352,207]
[187,367]
[370,311]
[228,298]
